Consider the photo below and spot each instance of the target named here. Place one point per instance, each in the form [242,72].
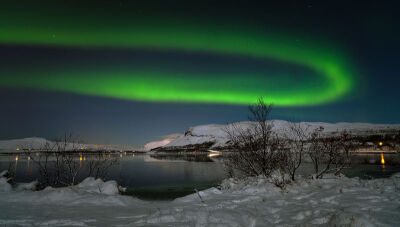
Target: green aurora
[329,62]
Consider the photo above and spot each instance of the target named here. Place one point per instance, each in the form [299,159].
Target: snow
[37,143]
[155,144]
[217,133]
[97,185]
[198,135]
[201,134]
[248,202]
[166,140]
[16,145]
[3,173]
[28,186]
[4,185]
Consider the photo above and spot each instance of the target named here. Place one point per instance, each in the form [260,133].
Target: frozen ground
[251,202]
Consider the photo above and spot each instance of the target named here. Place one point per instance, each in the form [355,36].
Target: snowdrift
[332,201]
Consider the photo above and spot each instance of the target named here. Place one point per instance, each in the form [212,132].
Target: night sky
[129,72]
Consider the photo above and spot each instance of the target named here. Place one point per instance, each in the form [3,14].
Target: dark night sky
[367,31]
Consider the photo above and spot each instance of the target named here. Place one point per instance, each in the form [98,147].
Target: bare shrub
[10,173]
[281,177]
[59,164]
[397,142]
[254,145]
[257,149]
[99,165]
[297,138]
[330,154]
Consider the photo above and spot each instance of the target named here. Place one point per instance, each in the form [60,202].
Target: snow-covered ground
[159,143]
[250,202]
[217,133]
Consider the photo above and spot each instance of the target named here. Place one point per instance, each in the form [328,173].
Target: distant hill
[37,143]
[213,136]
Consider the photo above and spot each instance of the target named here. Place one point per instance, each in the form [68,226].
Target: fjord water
[145,176]
[168,176]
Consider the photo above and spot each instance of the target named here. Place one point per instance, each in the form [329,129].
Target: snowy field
[252,202]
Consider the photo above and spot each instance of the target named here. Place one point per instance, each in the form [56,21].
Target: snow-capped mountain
[17,145]
[214,136]
[37,143]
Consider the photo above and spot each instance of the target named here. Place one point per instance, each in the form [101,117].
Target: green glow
[152,85]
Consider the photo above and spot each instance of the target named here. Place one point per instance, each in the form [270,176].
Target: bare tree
[257,149]
[397,141]
[253,145]
[347,144]
[329,154]
[99,165]
[59,163]
[297,138]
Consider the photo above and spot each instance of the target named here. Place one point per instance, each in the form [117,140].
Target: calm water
[171,176]
[145,176]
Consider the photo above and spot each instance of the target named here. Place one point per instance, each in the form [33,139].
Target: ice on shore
[4,185]
[98,186]
[249,202]
[28,186]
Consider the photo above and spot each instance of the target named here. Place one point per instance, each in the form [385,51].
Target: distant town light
[213,155]
[17,149]
[380,143]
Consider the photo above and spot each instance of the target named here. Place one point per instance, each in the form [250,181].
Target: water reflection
[191,157]
[16,164]
[29,166]
[213,155]
[380,158]
[133,169]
